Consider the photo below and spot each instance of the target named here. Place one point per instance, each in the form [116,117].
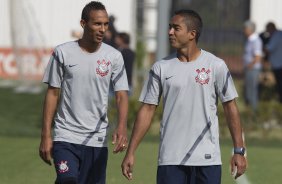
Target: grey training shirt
[189,127]
[84,79]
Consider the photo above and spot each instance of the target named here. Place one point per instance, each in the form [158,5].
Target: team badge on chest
[203,76]
[103,67]
[63,167]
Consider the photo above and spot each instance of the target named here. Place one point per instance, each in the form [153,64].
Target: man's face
[179,36]
[96,26]
[247,31]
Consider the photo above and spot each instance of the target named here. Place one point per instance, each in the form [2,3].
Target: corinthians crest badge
[203,76]
[103,67]
[63,167]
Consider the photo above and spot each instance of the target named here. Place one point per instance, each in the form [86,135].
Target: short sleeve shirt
[189,127]
[253,47]
[84,79]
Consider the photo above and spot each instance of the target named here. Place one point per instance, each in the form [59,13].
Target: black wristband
[240,151]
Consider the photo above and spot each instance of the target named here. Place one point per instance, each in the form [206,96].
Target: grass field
[20,118]
[20,163]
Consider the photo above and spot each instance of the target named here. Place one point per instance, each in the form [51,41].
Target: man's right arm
[141,126]
[49,109]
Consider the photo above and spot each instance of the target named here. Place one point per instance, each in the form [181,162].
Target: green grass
[20,114]
[20,121]
[20,163]
[264,161]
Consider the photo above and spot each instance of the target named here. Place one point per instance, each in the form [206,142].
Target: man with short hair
[252,64]
[190,81]
[78,75]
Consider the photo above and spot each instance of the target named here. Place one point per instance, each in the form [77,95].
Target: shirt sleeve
[119,78]
[152,89]
[54,71]
[258,47]
[225,87]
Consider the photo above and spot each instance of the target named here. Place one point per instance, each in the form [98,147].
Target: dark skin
[238,162]
[94,30]
[49,109]
[184,40]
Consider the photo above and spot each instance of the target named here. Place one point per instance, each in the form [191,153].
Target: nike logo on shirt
[72,65]
[168,77]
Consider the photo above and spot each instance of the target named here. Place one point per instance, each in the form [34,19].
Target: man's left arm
[257,53]
[238,161]
[120,134]
[256,59]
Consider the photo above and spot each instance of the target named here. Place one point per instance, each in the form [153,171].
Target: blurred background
[30,29]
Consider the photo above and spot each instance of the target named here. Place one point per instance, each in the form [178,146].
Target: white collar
[253,36]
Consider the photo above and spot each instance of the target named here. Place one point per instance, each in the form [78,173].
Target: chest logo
[63,167]
[103,67]
[203,76]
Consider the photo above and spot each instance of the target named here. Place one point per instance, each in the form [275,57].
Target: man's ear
[192,34]
[82,23]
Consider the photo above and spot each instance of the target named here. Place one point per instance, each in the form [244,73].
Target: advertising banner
[24,64]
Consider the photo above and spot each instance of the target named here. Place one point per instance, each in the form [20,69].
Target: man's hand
[127,166]
[141,126]
[45,149]
[120,139]
[238,165]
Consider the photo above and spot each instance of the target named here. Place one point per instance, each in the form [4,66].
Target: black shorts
[79,164]
[179,174]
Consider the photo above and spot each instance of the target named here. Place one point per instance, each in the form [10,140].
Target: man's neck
[88,46]
[188,54]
